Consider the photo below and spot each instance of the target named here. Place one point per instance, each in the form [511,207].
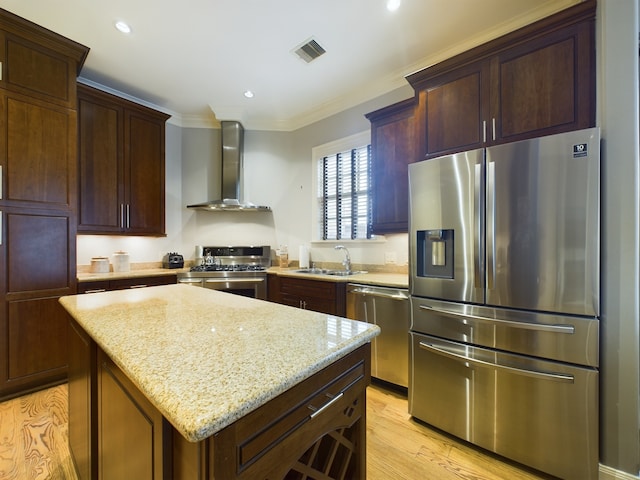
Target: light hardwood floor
[33,443]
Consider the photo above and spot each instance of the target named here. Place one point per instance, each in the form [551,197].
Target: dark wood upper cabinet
[121,166]
[393,148]
[538,80]
[38,158]
[38,63]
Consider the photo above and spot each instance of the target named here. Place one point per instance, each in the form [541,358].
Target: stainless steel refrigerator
[504,282]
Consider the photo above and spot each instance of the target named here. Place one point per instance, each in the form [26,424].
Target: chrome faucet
[347,261]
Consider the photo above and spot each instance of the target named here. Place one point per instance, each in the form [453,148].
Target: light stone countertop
[206,358]
[147,272]
[398,280]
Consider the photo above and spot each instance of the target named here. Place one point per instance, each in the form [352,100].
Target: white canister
[121,262]
[99,265]
[303,255]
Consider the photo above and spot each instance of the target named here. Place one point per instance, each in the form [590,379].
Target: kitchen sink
[322,271]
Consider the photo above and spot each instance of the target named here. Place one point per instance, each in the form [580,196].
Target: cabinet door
[546,85]
[316,295]
[100,165]
[29,67]
[455,108]
[144,174]
[131,432]
[38,154]
[82,401]
[393,142]
[37,254]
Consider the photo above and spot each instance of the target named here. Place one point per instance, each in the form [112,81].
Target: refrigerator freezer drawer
[538,413]
[555,337]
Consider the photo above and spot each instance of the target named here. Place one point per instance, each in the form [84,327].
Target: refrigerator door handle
[491,225]
[560,377]
[540,327]
[477,229]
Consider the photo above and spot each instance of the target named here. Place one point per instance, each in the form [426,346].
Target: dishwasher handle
[377,293]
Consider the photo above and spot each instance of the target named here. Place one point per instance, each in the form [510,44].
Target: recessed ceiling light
[393,5]
[123,27]
[248,94]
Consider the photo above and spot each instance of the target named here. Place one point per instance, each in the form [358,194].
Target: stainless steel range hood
[232,156]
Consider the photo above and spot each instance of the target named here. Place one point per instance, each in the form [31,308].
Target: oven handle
[233,280]
[559,377]
[570,329]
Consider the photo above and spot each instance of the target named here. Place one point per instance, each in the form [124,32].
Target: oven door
[255,287]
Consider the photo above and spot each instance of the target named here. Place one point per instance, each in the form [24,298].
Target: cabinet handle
[139,286]
[97,290]
[0,169]
[325,406]
[1,232]
[493,122]
[122,215]
[128,216]
[0,71]
[484,131]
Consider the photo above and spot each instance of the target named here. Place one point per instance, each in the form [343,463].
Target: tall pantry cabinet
[38,185]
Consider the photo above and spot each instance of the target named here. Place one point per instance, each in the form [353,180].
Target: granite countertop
[206,358]
[145,272]
[399,280]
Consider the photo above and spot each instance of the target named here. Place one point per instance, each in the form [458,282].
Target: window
[344,194]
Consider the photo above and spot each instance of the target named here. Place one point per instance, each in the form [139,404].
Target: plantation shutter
[346,202]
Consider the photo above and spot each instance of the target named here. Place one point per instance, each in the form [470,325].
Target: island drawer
[319,421]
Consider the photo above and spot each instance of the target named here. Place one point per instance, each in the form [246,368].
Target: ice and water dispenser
[435,253]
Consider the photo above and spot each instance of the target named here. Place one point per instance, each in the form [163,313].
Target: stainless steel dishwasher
[388,308]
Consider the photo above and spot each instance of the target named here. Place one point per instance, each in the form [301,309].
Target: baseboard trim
[608,473]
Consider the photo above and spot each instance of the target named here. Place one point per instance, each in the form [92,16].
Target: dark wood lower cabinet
[37,266]
[124,283]
[317,295]
[316,429]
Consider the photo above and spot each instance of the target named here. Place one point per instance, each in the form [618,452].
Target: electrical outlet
[390,258]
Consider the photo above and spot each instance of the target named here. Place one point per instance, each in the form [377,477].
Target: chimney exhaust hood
[232,156]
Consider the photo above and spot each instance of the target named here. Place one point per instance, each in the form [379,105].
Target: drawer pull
[325,406]
[95,290]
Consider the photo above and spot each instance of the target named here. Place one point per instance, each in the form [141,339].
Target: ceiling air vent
[309,51]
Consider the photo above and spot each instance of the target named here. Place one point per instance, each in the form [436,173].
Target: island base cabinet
[315,429]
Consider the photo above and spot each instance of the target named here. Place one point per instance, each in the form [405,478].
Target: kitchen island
[181,382]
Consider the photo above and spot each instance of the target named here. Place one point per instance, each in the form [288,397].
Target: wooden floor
[33,443]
